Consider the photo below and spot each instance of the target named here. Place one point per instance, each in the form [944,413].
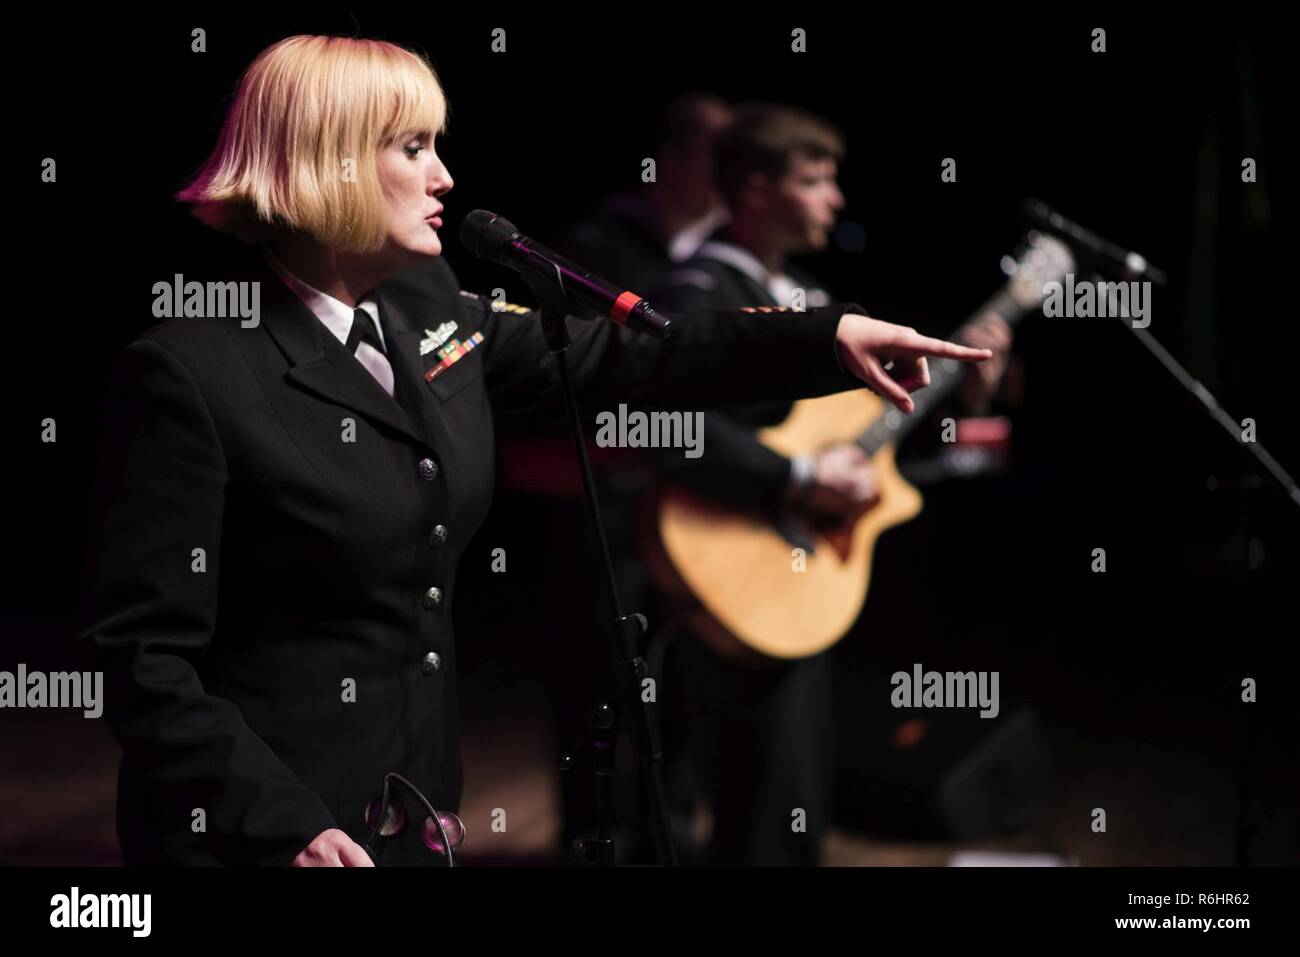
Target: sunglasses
[443,832]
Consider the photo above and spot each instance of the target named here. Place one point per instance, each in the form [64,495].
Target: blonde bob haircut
[298,148]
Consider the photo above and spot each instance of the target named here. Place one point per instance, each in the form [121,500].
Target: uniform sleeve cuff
[803,471]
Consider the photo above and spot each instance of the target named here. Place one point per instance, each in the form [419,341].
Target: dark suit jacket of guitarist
[329,564]
[736,468]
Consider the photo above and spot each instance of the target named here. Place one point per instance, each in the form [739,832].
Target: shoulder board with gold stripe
[496,305]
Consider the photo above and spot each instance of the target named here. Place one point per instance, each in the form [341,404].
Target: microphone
[1131,264]
[491,237]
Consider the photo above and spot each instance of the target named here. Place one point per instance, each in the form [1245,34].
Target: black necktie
[363,330]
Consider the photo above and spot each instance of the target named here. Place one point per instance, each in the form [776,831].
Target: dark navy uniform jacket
[738,468]
[263,686]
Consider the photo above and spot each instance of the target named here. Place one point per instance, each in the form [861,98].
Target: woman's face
[413,179]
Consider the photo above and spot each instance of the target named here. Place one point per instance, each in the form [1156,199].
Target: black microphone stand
[1248,485]
[606,720]
[1266,462]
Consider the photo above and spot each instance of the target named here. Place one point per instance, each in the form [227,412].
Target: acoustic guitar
[783,584]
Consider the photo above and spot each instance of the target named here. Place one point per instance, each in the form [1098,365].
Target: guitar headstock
[1039,260]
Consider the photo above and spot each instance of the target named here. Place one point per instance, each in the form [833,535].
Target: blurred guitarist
[760,735]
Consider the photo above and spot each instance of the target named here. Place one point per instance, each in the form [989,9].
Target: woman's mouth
[434,221]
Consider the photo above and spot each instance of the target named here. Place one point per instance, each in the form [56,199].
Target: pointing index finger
[942,349]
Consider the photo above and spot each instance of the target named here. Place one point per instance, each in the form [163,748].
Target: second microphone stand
[627,711]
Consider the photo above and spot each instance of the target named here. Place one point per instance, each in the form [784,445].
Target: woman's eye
[413,151]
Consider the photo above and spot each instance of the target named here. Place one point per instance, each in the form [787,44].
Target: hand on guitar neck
[989,331]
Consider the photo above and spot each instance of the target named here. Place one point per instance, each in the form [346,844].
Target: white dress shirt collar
[779,287]
[334,313]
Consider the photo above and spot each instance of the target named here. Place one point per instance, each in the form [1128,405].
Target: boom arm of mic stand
[1212,406]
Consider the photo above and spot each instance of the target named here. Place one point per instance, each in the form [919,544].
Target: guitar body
[770,585]
[739,567]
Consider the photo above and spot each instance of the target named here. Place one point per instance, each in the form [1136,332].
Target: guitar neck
[892,426]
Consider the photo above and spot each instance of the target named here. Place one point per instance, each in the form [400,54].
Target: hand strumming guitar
[844,482]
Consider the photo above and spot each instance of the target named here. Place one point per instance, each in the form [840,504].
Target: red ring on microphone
[623,306]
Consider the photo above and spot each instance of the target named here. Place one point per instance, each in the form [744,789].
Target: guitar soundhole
[839,537]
